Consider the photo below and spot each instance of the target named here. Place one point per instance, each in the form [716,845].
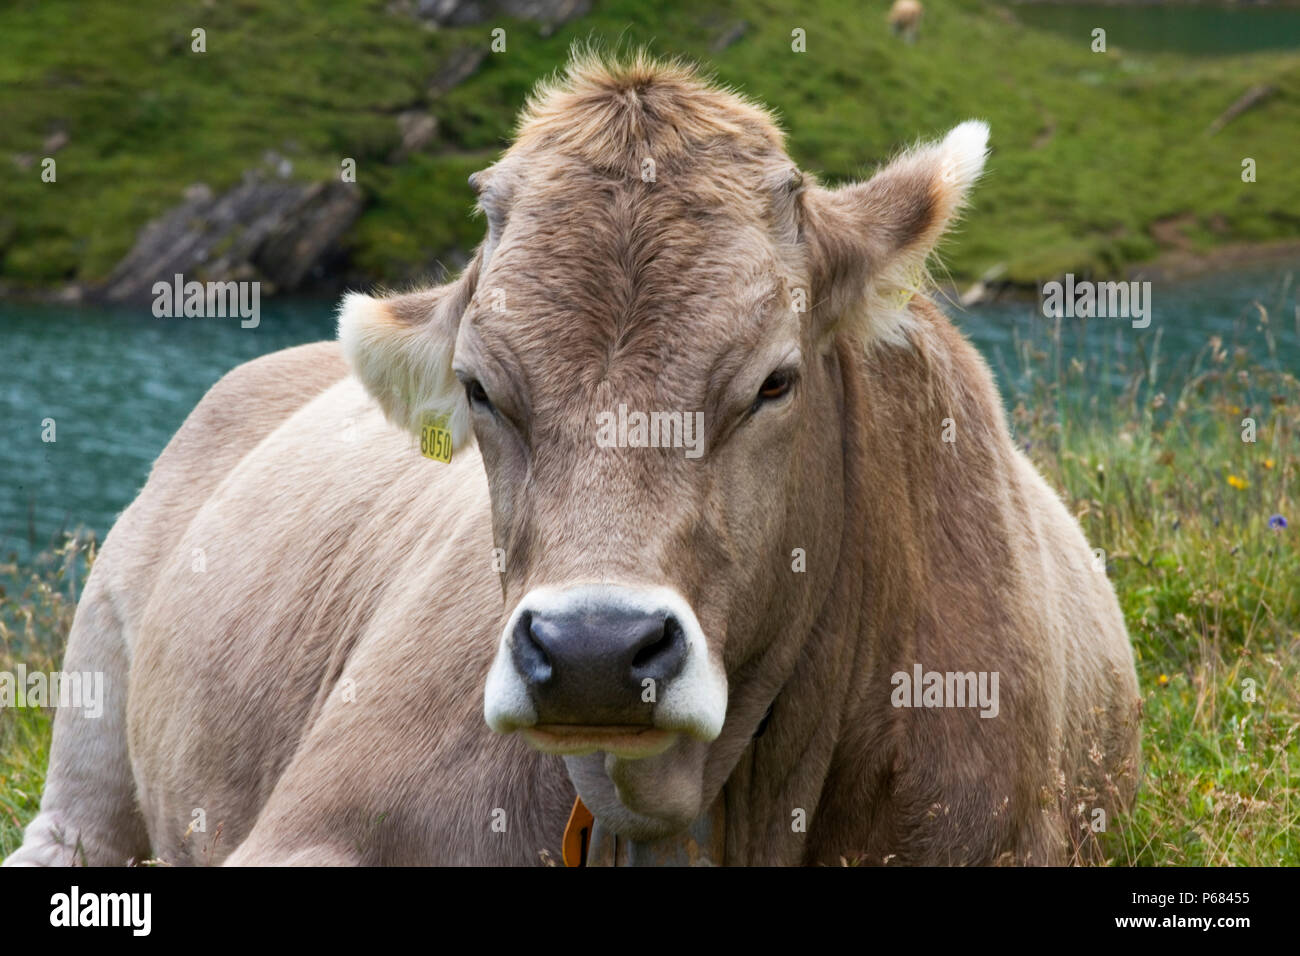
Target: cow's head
[654,261]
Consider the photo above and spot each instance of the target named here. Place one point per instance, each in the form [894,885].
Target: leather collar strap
[577,834]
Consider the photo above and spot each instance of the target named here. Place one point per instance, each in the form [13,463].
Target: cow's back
[235,415]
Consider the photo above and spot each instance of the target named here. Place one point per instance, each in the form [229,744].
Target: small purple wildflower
[1277,522]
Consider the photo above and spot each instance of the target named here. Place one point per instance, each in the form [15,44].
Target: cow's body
[905,18]
[333,551]
[297,617]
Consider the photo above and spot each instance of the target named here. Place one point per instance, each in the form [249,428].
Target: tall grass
[37,601]
[1198,524]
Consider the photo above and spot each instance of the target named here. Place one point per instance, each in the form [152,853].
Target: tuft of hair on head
[605,107]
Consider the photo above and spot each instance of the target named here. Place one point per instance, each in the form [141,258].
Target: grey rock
[70,294]
[459,13]
[460,66]
[270,230]
[55,142]
[731,35]
[418,130]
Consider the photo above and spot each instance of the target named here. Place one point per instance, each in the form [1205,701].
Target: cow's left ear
[868,241]
[401,348]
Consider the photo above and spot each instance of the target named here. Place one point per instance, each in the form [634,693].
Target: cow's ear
[401,348]
[868,241]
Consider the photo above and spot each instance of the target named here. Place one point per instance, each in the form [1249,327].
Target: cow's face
[647,359]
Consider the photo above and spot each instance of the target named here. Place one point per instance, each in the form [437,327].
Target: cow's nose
[597,665]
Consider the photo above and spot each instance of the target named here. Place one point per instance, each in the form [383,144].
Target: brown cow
[905,19]
[733,523]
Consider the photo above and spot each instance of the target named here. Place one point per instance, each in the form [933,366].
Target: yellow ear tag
[900,298]
[435,439]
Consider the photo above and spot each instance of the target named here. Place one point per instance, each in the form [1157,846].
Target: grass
[1181,505]
[1091,150]
[1209,581]
[34,624]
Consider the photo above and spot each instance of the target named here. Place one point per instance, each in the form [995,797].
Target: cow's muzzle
[604,667]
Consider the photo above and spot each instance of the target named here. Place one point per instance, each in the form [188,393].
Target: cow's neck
[926,448]
[703,844]
[827,758]
[775,795]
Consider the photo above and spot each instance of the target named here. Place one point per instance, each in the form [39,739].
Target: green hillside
[1090,149]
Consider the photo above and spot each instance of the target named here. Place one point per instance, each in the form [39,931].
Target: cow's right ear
[869,241]
[400,347]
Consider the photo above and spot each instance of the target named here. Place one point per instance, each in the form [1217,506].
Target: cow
[431,592]
[905,19]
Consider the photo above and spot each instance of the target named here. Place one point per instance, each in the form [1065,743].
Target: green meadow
[1099,160]
[1195,511]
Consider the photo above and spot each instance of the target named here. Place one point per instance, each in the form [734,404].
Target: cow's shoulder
[244,406]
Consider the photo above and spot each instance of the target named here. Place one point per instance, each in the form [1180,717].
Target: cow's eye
[775,386]
[477,397]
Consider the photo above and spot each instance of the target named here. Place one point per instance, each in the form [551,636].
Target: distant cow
[905,19]
[732,522]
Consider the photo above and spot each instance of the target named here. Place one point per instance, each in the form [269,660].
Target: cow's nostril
[530,651]
[662,655]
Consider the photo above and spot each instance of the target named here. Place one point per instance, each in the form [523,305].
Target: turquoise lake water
[1199,29]
[119,382]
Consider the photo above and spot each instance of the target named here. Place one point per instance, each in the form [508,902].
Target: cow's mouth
[576,740]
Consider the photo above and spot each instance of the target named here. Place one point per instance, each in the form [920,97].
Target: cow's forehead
[666,339]
[622,268]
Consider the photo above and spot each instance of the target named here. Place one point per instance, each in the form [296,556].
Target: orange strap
[577,834]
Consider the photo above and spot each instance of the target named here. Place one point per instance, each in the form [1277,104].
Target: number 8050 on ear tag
[435,440]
